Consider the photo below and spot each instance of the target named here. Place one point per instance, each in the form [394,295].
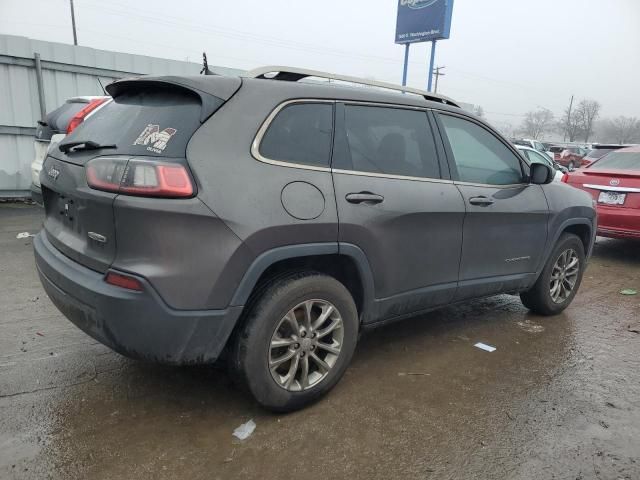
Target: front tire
[296,342]
[560,279]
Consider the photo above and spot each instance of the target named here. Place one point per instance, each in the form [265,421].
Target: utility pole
[568,126]
[437,75]
[73,23]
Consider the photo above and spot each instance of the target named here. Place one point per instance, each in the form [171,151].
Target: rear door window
[300,133]
[479,156]
[391,141]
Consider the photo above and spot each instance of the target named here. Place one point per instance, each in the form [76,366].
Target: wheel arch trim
[270,257]
[569,223]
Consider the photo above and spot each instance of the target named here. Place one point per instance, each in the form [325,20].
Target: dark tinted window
[59,119]
[300,133]
[619,161]
[153,121]
[391,141]
[556,149]
[479,155]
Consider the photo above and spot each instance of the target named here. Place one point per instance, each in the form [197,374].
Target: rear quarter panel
[247,193]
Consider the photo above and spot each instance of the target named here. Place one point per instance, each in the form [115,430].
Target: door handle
[364,197]
[481,201]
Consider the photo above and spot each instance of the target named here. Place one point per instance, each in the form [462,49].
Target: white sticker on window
[155,139]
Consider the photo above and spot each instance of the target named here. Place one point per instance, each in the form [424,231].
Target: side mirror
[541,174]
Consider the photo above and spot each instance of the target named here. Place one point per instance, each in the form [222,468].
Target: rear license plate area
[64,208]
[612,198]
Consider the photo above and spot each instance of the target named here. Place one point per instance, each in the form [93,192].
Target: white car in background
[534,156]
[536,145]
[58,124]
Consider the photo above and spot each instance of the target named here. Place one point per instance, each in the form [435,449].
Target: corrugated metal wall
[67,71]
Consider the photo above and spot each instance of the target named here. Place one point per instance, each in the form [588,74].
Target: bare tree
[505,128]
[537,123]
[586,113]
[478,111]
[570,124]
[622,129]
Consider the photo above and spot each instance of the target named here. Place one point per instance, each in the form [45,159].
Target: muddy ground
[559,398]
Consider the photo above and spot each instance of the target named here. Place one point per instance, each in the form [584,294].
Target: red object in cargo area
[79,117]
[614,183]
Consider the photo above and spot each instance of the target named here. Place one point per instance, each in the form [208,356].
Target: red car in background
[570,157]
[614,183]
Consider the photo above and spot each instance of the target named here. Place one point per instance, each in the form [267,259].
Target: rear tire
[560,279]
[308,319]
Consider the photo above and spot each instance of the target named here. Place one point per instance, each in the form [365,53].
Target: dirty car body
[185,198]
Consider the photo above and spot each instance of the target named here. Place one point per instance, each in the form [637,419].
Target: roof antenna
[205,65]
[102,86]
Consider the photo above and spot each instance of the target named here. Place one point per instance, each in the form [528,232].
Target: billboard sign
[423,20]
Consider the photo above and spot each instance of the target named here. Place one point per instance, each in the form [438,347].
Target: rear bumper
[618,233]
[135,324]
[618,222]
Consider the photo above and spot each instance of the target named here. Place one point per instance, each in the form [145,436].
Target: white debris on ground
[485,347]
[245,430]
[24,235]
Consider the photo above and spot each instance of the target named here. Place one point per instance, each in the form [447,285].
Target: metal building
[38,76]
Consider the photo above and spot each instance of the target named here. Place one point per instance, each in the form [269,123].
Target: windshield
[536,157]
[619,161]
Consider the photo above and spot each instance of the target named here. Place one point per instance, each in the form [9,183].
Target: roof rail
[293,74]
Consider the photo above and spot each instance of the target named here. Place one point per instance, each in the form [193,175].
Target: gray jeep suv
[272,220]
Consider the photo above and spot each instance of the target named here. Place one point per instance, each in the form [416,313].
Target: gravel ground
[559,398]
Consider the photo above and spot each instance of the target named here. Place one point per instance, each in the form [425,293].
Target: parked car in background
[614,183]
[534,144]
[600,150]
[568,156]
[535,156]
[274,220]
[58,124]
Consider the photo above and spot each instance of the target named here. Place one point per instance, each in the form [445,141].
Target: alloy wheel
[305,345]
[564,276]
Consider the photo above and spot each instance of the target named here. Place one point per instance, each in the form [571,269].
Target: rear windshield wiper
[83,145]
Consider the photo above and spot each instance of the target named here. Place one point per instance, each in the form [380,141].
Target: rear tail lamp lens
[123,281]
[79,117]
[565,178]
[140,177]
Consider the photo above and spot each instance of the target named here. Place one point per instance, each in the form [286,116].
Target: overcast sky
[509,56]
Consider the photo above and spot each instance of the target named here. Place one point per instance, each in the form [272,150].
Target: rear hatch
[149,122]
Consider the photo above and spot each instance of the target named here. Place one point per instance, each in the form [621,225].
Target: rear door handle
[481,201]
[364,197]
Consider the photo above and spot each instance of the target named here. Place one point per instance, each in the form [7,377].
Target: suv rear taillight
[79,117]
[565,178]
[147,178]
